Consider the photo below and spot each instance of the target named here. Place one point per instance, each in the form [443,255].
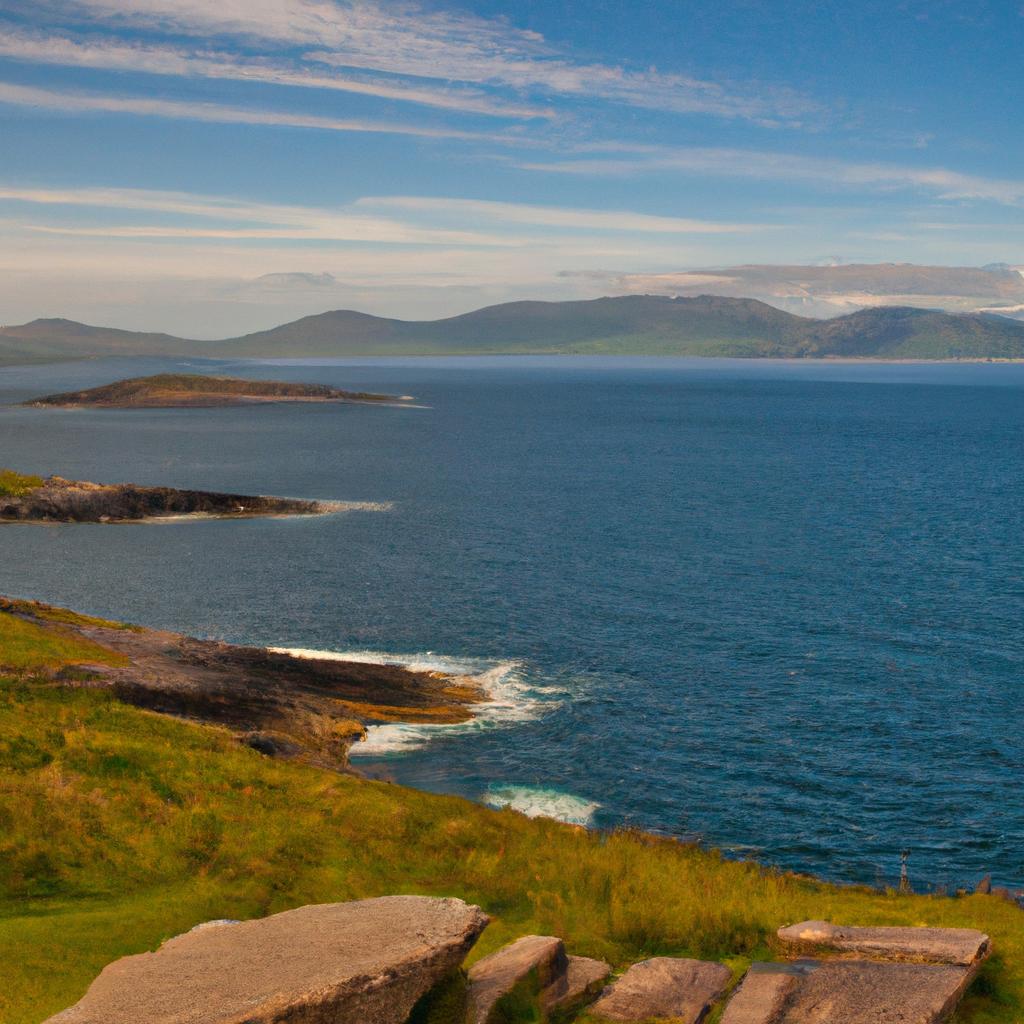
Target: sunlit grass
[17,485]
[119,828]
[26,646]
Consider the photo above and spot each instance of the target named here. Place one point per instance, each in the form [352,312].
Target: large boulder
[762,995]
[366,962]
[938,945]
[663,988]
[580,984]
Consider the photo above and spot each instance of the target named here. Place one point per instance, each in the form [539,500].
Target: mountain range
[703,325]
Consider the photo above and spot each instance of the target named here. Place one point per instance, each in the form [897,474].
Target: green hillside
[704,325]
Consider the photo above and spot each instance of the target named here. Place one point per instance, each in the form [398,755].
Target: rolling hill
[704,325]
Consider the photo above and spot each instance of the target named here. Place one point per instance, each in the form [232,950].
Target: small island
[25,498]
[190,390]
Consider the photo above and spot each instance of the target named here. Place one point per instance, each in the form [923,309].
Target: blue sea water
[776,607]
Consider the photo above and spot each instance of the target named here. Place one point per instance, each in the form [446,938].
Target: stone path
[370,961]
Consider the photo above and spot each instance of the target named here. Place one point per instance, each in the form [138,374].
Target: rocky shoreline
[304,709]
[79,501]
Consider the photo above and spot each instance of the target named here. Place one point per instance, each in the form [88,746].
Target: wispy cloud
[217,113]
[552,216]
[769,166]
[115,55]
[438,221]
[406,40]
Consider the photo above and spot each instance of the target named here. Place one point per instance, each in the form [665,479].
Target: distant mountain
[705,325]
[845,287]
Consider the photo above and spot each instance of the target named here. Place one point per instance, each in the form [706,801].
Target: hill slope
[704,325]
[121,827]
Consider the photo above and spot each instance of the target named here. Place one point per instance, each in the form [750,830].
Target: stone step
[366,962]
[663,988]
[869,992]
[536,961]
[580,984]
[762,994]
[936,945]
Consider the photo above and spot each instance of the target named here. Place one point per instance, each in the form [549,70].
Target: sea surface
[774,607]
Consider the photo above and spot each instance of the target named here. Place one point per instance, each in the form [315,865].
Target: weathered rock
[984,887]
[939,945]
[869,992]
[663,987]
[534,959]
[366,962]
[580,983]
[761,995]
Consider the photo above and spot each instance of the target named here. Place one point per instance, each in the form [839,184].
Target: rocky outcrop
[367,962]
[580,983]
[937,945]
[309,709]
[679,990]
[79,501]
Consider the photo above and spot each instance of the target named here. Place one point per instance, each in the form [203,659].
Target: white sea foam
[511,698]
[543,803]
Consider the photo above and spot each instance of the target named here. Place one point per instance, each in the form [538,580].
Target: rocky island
[26,498]
[189,390]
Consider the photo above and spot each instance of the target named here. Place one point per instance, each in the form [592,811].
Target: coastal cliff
[121,826]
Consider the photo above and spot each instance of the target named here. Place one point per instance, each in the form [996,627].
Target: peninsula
[188,390]
[27,498]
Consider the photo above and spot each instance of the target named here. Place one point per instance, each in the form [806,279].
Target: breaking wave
[511,698]
[543,803]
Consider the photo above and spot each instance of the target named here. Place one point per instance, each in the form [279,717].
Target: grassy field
[119,828]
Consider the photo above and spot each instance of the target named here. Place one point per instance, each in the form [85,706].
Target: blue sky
[210,167]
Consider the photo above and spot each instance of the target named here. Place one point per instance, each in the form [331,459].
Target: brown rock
[939,945]
[663,988]
[578,985]
[366,962]
[534,959]
[761,996]
[868,992]
[984,887]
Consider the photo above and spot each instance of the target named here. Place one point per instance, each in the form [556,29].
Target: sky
[209,167]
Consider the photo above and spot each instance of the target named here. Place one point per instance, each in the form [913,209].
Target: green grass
[28,647]
[119,828]
[17,485]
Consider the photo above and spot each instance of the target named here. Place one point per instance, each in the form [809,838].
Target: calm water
[775,607]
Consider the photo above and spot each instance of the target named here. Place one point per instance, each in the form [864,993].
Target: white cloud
[114,55]
[768,166]
[552,216]
[404,39]
[216,113]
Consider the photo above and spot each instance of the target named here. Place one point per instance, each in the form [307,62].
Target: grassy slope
[119,828]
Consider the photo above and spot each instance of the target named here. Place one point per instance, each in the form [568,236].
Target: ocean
[773,607]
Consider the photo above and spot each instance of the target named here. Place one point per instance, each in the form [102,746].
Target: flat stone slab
[663,988]
[497,975]
[938,945]
[761,996]
[366,962]
[578,985]
[869,992]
